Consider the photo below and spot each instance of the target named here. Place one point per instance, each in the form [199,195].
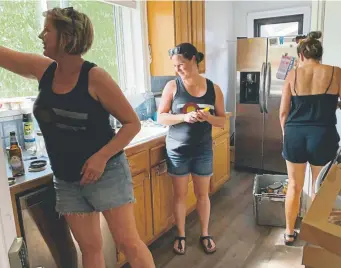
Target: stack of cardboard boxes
[320,229]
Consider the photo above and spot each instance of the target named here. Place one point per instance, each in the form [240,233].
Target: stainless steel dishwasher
[48,238]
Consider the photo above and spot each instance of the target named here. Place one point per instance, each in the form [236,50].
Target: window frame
[304,9]
[258,23]
[132,18]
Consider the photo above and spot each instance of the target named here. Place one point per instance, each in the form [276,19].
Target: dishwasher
[49,241]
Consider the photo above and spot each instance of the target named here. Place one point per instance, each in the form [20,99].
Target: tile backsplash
[145,109]
[8,124]
[159,82]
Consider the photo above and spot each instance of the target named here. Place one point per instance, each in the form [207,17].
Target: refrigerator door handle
[261,88]
[267,86]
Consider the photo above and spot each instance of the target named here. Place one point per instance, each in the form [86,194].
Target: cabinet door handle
[161,169]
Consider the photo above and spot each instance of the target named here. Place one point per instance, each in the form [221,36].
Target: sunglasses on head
[71,13]
[177,51]
[300,38]
[174,51]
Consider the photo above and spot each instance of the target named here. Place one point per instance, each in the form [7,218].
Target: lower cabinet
[162,198]
[142,209]
[221,162]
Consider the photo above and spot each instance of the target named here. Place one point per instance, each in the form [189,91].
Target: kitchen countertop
[149,131]
[33,179]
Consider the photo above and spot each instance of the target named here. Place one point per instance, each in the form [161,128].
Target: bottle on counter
[29,137]
[15,156]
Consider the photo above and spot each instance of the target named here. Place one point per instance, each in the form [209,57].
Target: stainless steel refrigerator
[258,135]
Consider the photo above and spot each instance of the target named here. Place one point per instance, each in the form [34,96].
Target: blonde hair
[75,30]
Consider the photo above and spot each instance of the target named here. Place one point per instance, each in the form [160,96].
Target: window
[115,27]
[278,26]
[20,26]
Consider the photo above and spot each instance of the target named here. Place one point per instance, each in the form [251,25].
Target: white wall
[243,8]
[220,44]
[332,41]
[7,226]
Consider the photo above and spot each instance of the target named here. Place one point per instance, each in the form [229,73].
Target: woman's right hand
[191,117]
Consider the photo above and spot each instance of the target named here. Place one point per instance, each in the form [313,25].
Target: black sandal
[180,250]
[290,243]
[209,248]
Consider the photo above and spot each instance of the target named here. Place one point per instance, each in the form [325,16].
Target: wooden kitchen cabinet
[162,198]
[139,166]
[171,23]
[198,29]
[221,161]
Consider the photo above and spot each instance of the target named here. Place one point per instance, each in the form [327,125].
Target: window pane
[279,29]
[103,50]
[21,22]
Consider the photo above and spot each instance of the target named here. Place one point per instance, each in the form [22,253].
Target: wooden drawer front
[139,162]
[157,154]
[216,131]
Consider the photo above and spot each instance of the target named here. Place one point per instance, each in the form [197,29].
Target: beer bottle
[15,156]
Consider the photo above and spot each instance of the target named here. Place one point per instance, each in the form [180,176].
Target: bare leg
[52,228]
[315,171]
[180,187]
[296,173]
[122,225]
[87,232]
[201,190]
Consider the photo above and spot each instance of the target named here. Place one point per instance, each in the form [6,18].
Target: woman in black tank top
[91,170]
[308,125]
[190,105]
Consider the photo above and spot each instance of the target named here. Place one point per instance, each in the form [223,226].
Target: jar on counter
[41,148]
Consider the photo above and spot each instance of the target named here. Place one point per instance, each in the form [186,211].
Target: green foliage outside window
[21,22]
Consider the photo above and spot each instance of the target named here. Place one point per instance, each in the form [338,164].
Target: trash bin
[269,208]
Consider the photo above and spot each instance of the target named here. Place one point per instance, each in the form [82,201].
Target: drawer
[157,154]
[139,162]
[216,131]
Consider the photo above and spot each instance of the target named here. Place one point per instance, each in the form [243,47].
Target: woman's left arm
[285,100]
[104,89]
[217,120]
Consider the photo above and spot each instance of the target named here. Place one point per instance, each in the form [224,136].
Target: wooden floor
[240,242]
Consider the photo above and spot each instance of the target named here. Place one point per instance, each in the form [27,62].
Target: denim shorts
[197,161]
[113,189]
[314,144]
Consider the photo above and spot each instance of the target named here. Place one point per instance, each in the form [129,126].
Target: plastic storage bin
[269,208]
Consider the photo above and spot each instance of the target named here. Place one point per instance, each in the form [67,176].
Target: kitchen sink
[148,133]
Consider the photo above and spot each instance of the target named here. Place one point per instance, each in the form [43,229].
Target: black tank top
[313,110]
[74,125]
[185,133]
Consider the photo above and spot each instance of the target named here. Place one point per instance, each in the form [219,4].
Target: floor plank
[241,243]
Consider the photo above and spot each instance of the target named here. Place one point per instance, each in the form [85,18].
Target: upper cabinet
[171,23]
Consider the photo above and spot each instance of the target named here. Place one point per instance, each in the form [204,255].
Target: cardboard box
[316,228]
[316,257]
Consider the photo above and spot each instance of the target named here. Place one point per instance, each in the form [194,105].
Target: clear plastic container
[41,149]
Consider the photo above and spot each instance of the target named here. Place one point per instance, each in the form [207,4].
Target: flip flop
[180,250]
[290,243]
[209,247]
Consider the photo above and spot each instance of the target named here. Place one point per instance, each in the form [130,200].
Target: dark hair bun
[311,47]
[199,57]
[315,35]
